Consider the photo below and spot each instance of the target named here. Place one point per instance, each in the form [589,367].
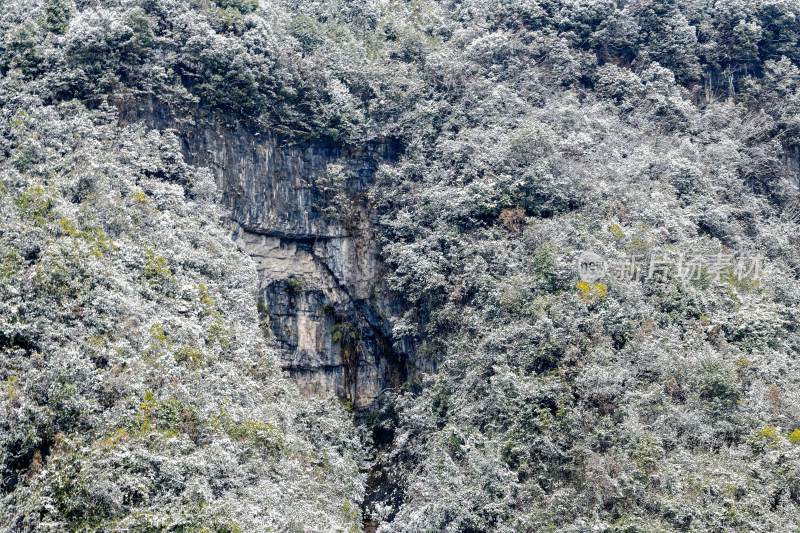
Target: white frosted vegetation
[138,392]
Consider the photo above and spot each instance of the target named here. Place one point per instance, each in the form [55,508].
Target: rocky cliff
[300,210]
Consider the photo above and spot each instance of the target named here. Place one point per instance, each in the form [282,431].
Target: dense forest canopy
[139,393]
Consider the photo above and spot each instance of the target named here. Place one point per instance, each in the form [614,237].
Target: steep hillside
[138,392]
[545,253]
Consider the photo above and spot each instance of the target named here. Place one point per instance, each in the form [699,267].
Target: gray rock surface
[320,275]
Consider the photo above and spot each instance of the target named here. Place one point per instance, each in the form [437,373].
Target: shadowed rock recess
[322,295]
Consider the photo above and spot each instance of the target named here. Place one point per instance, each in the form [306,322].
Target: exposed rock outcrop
[299,210]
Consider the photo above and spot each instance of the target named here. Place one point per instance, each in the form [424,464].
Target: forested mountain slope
[138,393]
[466,155]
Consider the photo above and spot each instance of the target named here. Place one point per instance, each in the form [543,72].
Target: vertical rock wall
[321,290]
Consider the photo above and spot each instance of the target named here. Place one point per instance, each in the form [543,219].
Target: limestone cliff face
[321,290]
